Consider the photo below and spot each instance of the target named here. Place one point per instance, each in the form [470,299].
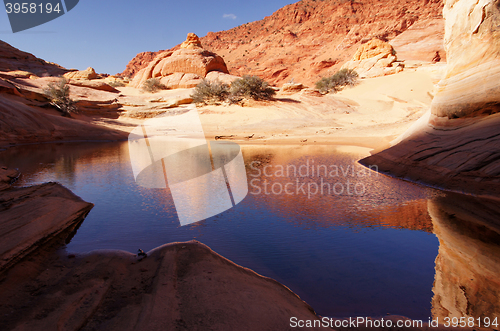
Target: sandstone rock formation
[87,74]
[373,48]
[30,216]
[221,77]
[457,145]
[192,41]
[185,67]
[470,86]
[421,41]
[139,62]
[21,123]
[93,84]
[180,80]
[373,59]
[292,87]
[311,39]
[180,286]
[12,59]
[7,176]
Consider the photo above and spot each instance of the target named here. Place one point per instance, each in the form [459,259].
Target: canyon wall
[310,39]
[456,145]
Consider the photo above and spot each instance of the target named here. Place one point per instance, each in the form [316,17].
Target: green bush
[250,87]
[210,93]
[153,85]
[343,77]
[58,94]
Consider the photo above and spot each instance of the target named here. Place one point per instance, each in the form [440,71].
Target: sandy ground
[371,114]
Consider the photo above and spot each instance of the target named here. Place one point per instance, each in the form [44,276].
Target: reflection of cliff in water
[467,282]
[279,182]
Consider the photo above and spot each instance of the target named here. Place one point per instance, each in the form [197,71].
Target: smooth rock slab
[178,286]
[30,216]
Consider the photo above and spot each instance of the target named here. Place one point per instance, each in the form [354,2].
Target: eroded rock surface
[86,74]
[457,145]
[30,216]
[13,59]
[21,123]
[180,286]
[7,176]
[311,39]
[182,68]
[421,41]
[472,41]
[373,59]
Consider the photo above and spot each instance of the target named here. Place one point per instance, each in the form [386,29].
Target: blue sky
[107,34]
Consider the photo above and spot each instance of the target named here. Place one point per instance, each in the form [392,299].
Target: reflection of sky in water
[344,255]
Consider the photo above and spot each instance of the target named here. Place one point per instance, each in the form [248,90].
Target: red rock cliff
[310,39]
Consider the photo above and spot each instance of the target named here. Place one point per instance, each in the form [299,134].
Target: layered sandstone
[13,59]
[374,59]
[30,216]
[467,281]
[422,41]
[182,68]
[456,145]
[21,123]
[311,39]
[87,74]
[472,39]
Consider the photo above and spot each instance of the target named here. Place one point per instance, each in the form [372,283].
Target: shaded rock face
[311,39]
[87,74]
[21,123]
[191,63]
[457,145]
[32,215]
[181,286]
[467,281]
[12,59]
[7,176]
[373,59]
[472,42]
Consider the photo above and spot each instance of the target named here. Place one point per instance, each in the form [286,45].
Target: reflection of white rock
[171,151]
[467,282]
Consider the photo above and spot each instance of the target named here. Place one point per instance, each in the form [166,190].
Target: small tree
[210,93]
[343,77]
[153,85]
[58,94]
[250,87]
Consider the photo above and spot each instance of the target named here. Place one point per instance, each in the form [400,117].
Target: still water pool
[366,248]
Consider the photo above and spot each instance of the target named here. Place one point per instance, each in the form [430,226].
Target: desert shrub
[250,87]
[58,94]
[117,83]
[343,77]
[208,92]
[153,85]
